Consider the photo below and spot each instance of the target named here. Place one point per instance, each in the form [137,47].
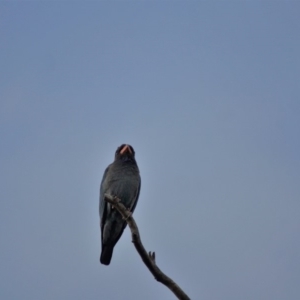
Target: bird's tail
[106,255]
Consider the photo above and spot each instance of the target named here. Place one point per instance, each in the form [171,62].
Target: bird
[120,179]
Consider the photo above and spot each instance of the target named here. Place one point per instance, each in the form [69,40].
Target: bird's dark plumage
[120,179]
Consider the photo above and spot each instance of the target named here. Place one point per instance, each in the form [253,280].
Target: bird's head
[125,152]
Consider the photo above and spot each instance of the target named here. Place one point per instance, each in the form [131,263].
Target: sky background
[207,93]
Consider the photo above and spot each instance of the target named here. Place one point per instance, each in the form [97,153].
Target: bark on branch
[148,258]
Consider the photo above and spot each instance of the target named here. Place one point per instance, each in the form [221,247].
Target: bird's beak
[125,149]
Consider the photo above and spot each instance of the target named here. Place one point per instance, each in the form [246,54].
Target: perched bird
[121,179]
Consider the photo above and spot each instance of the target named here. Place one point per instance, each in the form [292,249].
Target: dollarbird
[121,179]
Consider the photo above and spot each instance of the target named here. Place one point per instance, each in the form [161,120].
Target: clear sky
[207,93]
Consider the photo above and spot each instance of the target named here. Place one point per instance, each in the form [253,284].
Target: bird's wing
[102,202]
[136,197]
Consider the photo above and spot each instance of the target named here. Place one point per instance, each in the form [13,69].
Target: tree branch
[148,258]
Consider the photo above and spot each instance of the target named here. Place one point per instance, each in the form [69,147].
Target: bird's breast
[123,183]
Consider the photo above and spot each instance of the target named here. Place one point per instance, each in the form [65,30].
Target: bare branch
[148,258]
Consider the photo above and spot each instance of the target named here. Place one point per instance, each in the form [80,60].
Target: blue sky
[207,93]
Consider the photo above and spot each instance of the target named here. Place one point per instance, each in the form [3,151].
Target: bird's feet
[115,199]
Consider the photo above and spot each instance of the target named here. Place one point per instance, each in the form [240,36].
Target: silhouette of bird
[121,179]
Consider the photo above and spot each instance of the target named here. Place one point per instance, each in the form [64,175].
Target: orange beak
[125,148]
